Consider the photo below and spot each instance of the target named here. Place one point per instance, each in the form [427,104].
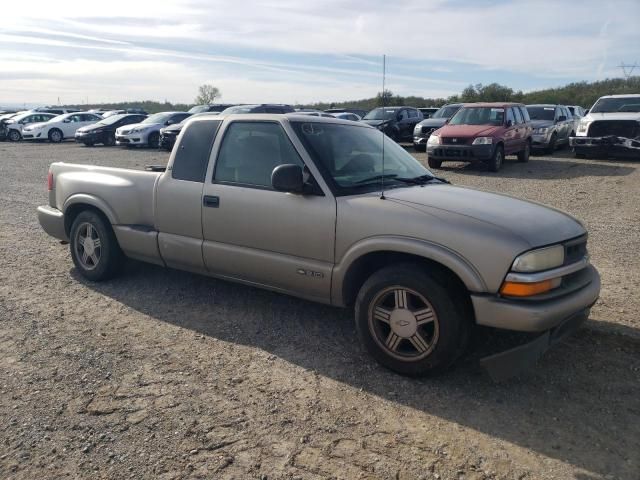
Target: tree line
[577,93]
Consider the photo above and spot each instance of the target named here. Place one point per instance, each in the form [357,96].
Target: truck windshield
[610,105]
[380,114]
[541,113]
[478,116]
[351,157]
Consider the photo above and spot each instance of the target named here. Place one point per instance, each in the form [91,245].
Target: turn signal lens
[50,181]
[513,289]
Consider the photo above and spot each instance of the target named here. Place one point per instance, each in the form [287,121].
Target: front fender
[455,262]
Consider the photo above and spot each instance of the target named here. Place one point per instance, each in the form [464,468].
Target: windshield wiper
[377,177]
[422,179]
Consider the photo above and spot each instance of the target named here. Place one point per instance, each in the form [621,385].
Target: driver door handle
[211,201]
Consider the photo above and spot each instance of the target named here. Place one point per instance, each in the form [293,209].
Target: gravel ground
[165,374]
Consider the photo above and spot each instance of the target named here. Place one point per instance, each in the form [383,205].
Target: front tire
[409,322]
[495,163]
[434,163]
[14,135]
[552,144]
[110,139]
[94,247]
[153,140]
[56,136]
[523,156]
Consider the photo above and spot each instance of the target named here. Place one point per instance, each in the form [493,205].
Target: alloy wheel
[88,246]
[403,323]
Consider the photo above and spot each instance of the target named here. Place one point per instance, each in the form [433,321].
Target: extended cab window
[192,156]
[250,151]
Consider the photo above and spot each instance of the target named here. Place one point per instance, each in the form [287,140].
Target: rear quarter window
[192,155]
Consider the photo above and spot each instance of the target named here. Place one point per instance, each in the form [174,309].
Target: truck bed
[128,195]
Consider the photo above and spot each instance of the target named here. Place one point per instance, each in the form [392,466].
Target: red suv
[483,131]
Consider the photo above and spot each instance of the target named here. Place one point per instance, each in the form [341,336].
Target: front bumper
[52,222]
[460,152]
[420,139]
[553,319]
[527,315]
[137,138]
[89,137]
[167,141]
[540,141]
[609,144]
[34,135]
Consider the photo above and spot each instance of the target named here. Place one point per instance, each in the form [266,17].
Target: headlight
[539,260]
[483,141]
[10,121]
[417,129]
[583,126]
[541,131]
[434,140]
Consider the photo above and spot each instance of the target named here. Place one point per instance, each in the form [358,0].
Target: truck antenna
[384,71]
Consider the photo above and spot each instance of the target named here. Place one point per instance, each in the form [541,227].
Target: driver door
[252,233]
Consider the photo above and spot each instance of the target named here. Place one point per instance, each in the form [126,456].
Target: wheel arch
[81,202]
[362,261]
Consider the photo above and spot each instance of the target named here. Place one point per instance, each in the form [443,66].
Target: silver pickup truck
[295,204]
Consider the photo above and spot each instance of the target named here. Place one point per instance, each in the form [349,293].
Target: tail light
[50,180]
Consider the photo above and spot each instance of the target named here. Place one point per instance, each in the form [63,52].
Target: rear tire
[153,140]
[495,163]
[434,163]
[94,247]
[55,135]
[409,321]
[523,156]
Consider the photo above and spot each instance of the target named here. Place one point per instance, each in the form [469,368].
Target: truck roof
[286,117]
[624,95]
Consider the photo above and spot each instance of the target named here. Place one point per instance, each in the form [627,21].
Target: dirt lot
[164,374]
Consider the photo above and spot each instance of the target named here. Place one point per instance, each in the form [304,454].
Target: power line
[628,69]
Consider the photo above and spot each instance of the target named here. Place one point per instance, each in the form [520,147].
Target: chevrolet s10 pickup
[335,212]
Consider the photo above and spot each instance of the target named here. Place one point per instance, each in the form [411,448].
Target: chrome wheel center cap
[403,322]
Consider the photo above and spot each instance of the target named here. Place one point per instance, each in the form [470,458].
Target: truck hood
[612,116]
[469,130]
[433,122]
[536,224]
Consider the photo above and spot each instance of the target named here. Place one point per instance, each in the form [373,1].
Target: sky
[294,51]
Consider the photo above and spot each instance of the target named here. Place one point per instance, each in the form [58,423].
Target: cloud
[286,50]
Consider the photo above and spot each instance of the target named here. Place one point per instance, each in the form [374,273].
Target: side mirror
[586,111]
[509,123]
[562,118]
[287,178]
[66,120]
